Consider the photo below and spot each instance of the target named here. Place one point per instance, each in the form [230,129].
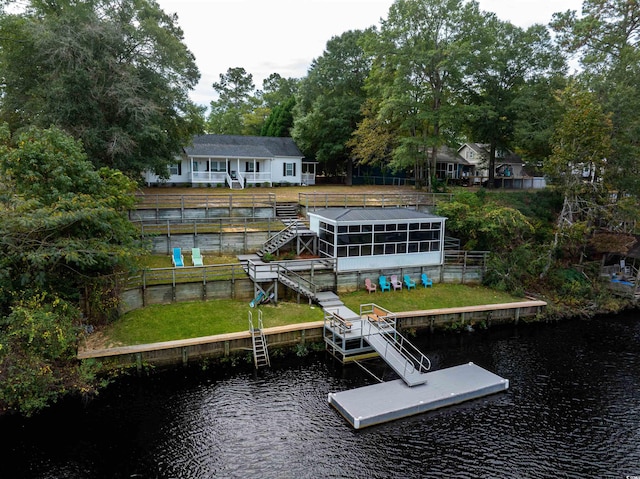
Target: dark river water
[572,411]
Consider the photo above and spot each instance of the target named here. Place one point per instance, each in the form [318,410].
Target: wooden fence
[313,201]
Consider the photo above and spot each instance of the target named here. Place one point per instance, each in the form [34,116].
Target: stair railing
[416,360]
[299,283]
[279,236]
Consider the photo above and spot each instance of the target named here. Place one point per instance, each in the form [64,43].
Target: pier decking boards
[388,401]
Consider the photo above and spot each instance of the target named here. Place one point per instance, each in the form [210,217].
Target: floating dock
[387,401]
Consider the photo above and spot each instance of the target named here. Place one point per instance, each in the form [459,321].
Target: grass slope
[188,320]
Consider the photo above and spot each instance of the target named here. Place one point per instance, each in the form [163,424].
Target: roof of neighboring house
[449,155]
[477,147]
[483,149]
[372,214]
[238,146]
[624,244]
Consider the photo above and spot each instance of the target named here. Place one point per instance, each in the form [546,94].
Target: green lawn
[189,320]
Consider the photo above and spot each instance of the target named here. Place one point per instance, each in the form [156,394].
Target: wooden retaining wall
[186,350]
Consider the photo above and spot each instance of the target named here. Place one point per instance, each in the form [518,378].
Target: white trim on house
[239,161]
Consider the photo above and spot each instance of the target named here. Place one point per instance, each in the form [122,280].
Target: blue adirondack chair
[426,281]
[177,258]
[384,284]
[409,283]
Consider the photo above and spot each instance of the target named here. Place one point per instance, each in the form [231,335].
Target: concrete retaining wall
[221,243]
[198,213]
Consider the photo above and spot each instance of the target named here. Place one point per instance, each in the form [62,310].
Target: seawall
[183,351]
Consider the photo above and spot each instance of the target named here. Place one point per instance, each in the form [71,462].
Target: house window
[217,166]
[175,169]
[470,155]
[249,167]
[289,169]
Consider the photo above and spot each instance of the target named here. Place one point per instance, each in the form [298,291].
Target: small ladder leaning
[260,352]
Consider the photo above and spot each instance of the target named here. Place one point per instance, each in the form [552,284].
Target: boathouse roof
[372,214]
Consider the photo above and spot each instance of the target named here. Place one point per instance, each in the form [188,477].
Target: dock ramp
[403,357]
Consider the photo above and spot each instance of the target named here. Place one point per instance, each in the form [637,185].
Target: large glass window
[388,238]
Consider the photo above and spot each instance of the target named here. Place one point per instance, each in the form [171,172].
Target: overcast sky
[278,36]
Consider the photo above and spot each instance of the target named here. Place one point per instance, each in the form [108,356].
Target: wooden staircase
[294,228]
[287,210]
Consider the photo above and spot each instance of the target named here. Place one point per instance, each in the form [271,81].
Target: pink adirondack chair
[395,282]
[371,287]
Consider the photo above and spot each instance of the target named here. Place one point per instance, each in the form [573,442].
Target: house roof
[372,214]
[482,149]
[449,155]
[237,146]
[477,147]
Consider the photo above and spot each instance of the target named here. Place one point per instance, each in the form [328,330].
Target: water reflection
[571,411]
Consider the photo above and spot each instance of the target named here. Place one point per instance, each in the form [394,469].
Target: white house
[477,154]
[238,161]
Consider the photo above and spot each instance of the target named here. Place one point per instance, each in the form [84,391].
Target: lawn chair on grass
[426,282]
[196,257]
[177,259]
[395,282]
[408,282]
[384,284]
[371,287]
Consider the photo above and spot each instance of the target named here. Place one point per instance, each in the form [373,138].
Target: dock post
[139,362]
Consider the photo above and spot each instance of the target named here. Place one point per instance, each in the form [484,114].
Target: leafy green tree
[113,74]
[536,110]
[485,225]
[329,101]
[277,90]
[581,145]
[235,102]
[420,54]
[64,232]
[606,39]
[280,121]
[512,65]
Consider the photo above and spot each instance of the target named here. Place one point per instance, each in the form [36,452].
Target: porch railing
[257,177]
[214,177]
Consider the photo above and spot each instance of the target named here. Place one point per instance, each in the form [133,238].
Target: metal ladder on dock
[260,351]
[403,357]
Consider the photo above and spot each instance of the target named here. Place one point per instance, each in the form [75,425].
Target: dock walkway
[387,401]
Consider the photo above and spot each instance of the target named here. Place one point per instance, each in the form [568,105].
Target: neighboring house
[451,166]
[507,164]
[239,161]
